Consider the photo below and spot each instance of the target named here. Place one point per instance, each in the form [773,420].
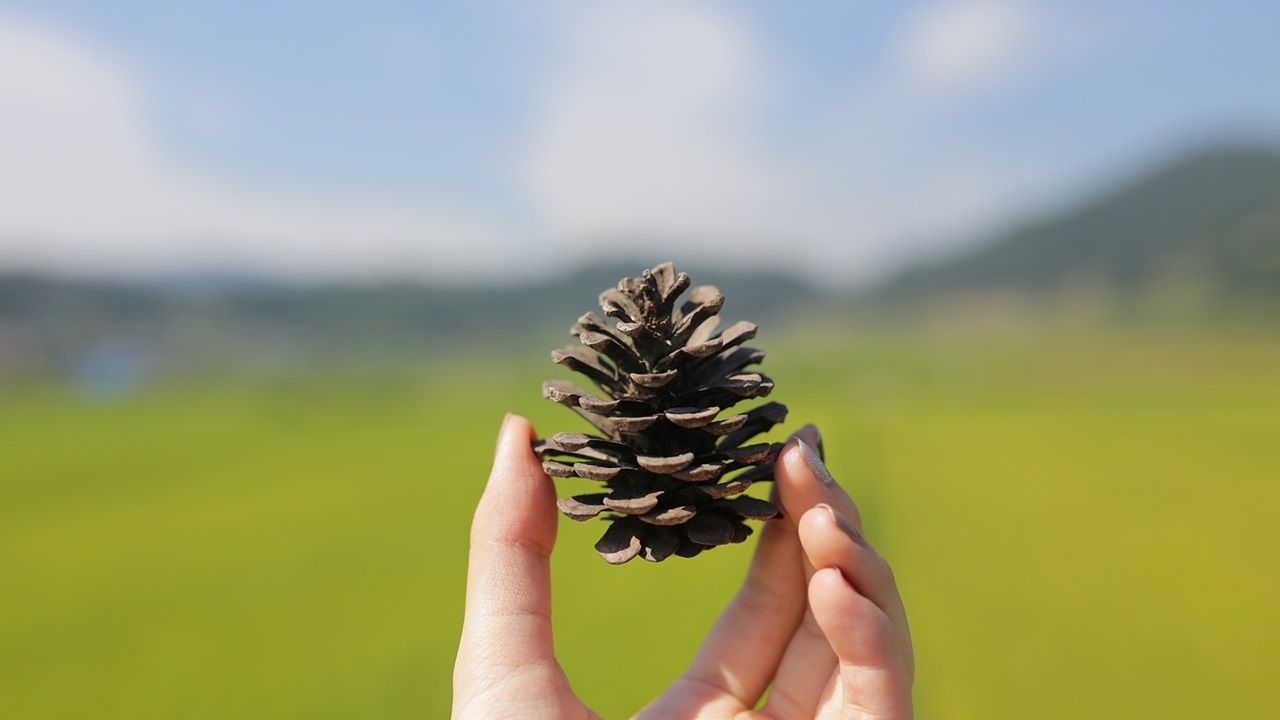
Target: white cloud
[650,124]
[86,187]
[967,44]
[657,122]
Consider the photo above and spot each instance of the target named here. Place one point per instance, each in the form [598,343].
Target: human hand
[818,620]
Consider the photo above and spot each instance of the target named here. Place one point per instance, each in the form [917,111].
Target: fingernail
[502,431]
[822,452]
[814,461]
[843,523]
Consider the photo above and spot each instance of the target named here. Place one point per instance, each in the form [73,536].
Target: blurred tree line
[1195,242]
[205,324]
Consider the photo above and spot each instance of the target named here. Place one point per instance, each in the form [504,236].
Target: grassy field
[1080,528]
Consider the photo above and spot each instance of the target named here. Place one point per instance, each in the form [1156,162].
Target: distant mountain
[1210,221]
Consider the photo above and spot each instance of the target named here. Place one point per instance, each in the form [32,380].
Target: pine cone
[662,453]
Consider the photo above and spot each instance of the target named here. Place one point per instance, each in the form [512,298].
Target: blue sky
[484,139]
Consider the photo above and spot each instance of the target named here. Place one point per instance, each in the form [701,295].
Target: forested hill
[1211,220]
[217,322]
[1205,229]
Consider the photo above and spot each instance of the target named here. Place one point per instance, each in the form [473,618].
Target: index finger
[508,607]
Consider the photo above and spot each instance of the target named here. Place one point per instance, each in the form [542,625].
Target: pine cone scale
[582,507]
[621,541]
[602,473]
[692,417]
[665,465]
[659,543]
[670,516]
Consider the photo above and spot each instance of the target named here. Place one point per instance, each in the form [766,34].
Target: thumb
[508,607]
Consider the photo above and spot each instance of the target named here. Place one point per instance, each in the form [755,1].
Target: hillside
[201,323]
[1197,241]
[1210,221]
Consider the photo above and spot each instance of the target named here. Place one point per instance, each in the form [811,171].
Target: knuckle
[760,597]
[809,626]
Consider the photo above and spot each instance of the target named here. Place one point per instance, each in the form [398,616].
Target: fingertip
[809,435]
[857,629]
[789,448]
[812,525]
[828,584]
[826,545]
[513,453]
[800,465]
[804,481]
[502,432]
[792,480]
[823,521]
[514,428]
[834,602]
[518,503]
[790,463]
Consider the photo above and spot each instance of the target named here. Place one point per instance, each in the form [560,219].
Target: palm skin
[818,621]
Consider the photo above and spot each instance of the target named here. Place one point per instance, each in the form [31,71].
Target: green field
[1081,528]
